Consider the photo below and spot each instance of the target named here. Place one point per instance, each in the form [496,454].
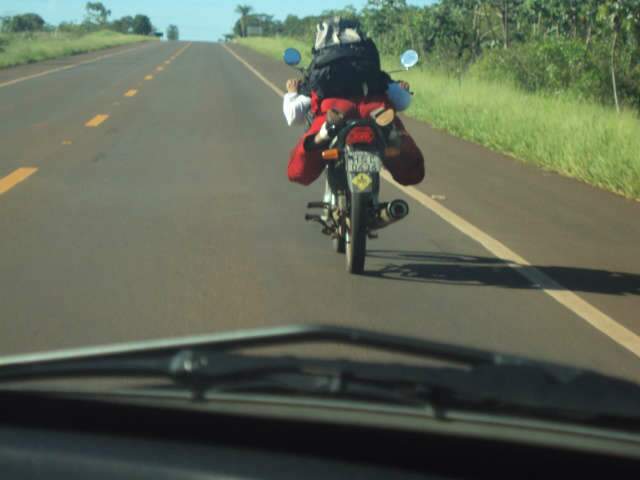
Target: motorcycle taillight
[360,135]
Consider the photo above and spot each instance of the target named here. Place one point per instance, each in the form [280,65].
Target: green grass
[275,46]
[17,49]
[579,139]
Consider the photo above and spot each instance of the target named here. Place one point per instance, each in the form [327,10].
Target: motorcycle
[351,210]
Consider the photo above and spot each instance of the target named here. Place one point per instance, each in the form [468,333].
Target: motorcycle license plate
[363,161]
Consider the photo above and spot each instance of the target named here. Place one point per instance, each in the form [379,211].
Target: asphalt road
[172,215]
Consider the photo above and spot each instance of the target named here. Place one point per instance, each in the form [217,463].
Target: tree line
[590,48]
[96,18]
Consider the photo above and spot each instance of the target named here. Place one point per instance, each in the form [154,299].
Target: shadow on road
[471,270]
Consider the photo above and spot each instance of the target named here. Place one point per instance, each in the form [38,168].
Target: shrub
[563,65]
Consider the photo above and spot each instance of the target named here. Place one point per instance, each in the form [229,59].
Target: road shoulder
[12,74]
[582,237]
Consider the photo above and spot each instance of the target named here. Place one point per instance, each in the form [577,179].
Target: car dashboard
[58,437]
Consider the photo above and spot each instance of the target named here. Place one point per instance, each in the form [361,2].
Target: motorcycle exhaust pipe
[391,212]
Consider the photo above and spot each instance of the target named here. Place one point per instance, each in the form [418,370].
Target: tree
[123,25]
[591,47]
[621,17]
[142,25]
[243,11]
[28,22]
[381,16]
[509,12]
[173,33]
[97,13]
[4,23]
[268,26]
[293,26]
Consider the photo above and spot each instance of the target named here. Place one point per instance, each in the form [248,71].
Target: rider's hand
[292,85]
[404,85]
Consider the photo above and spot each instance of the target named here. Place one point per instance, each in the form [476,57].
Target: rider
[345,81]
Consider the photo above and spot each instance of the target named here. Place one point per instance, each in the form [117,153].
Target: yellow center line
[179,52]
[149,77]
[160,69]
[74,65]
[97,120]
[15,177]
[167,62]
[131,93]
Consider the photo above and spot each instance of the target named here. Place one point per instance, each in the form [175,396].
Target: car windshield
[465,173]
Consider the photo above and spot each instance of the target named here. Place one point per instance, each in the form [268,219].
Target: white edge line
[67,67]
[255,72]
[540,280]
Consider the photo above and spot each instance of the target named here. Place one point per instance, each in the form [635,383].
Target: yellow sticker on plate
[361,181]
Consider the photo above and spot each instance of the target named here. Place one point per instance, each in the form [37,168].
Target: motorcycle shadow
[467,270]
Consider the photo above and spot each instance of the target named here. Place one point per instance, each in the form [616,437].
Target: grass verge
[275,46]
[18,49]
[579,139]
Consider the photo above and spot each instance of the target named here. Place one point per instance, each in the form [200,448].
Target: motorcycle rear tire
[356,245]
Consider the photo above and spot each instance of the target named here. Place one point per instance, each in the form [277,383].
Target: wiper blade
[183,359]
[491,381]
[202,371]
[163,357]
[271,337]
[152,357]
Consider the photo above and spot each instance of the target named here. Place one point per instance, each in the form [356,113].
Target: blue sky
[197,19]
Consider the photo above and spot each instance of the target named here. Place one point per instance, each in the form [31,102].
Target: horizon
[189,15]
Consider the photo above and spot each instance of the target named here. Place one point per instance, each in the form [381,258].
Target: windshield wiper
[490,381]
[156,357]
[204,364]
